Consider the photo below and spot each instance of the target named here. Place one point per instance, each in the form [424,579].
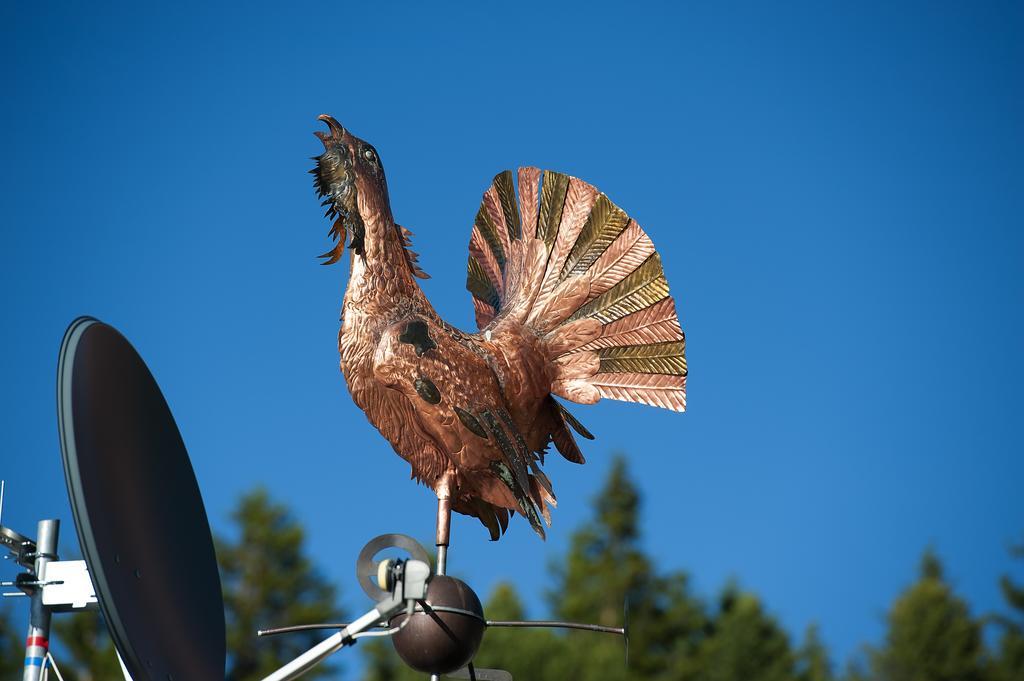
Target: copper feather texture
[570,298]
[600,266]
[657,390]
[629,250]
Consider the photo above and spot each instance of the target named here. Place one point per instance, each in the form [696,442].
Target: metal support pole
[444,521]
[443,534]
[38,642]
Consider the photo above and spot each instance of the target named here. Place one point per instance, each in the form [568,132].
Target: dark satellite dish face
[140,518]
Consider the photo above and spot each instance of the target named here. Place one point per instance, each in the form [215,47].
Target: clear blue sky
[837,193]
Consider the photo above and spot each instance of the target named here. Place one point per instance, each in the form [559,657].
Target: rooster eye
[370,156]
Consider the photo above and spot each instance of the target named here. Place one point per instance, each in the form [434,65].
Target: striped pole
[38,641]
[35,653]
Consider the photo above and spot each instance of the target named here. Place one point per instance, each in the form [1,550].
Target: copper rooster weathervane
[571,301]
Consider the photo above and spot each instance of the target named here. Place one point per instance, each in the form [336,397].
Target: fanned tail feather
[588,279]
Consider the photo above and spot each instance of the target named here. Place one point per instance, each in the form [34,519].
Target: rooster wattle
[570,298]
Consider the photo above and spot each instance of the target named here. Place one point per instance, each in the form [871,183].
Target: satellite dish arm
[329,646]
[410,586]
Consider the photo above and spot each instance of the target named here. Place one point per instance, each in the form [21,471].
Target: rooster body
[570,299]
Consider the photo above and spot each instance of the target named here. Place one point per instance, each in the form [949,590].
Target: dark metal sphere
[440,641]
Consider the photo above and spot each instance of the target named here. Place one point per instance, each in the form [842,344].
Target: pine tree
[525,653]
[931,634]
[1009,663]
[606,568]
[812,659]
[744,643]
[269,581]
[855,669]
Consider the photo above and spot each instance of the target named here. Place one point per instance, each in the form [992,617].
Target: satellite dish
[141,522]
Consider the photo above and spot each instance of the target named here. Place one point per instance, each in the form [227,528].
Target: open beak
[337,131]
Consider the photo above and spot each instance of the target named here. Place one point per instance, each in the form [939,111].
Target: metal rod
[37,642]
[442,560]
[301,627]
[317,653]
[53,664]
[444,529]
[444,520]
[444,532]
[312,657]
[444,525]
[551,624]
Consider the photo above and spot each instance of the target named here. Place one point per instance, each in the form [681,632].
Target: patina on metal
[427,390]
[471,422]
[417,335]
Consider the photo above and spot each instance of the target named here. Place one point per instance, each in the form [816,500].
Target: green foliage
[744,643]
[606,568]
[268,581]
[931,636]
[1008,664]
[813,662]
[526,653]
[855,671]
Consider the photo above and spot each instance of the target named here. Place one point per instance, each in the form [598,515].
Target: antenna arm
[551,624]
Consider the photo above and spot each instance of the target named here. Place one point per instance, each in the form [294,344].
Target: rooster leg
[444,519]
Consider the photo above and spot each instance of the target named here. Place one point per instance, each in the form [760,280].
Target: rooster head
[350,178]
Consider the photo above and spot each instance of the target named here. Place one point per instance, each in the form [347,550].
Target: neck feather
[381,273]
